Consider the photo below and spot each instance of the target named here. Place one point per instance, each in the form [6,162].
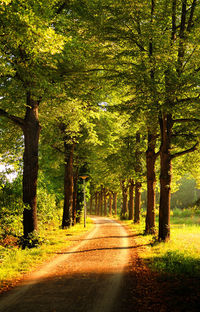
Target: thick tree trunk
[96,203]
[131,199]
[115,202]
[110,203]
[99,204]
[91,203]
[31,131]
[125,200]
[151,183]
[105,202]
[75,191]
[68,186]
[138,186]
[101,201]
[165,177]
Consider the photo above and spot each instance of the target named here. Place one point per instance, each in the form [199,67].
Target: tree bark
[68,186]
[110,203]
[165,177]
[91,203]
[101,201]
[131,199]
[138,186]
[151,183]
[115,202]
[125,200]
[75,191]
[96,203]
[31,131]
[105,202]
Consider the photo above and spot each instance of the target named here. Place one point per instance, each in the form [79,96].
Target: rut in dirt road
[86,277]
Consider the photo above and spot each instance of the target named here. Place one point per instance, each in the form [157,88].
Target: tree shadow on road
[99,249]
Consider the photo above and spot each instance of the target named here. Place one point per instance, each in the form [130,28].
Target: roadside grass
[179,256]
[15,262]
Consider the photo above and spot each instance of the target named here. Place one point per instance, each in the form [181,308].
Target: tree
[28,46]
[155,52]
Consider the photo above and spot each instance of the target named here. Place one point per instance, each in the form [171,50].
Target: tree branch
[57,149]
[17,120]
[190,21]
[157,154]
[186,135]
[194,99]
[142,49]
[186,120]
[192,149]
[174,28]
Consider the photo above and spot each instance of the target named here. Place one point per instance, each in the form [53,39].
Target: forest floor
[101,272]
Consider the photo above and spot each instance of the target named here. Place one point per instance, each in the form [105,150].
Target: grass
[179,256]
[14,262]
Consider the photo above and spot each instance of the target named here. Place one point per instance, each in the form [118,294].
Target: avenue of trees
[105,88]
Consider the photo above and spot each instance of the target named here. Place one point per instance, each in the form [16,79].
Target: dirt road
[87,277]
[102,272]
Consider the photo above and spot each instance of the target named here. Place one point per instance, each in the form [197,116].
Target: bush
[33,240]
[47,209]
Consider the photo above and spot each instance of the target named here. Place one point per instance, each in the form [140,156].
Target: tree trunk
[131,199]
[165,177]
[138,186]
[75,191]
[31,131]
[91,202]
[125,200]
[115,202]
[110,203]
[68,185]
[105,202]
[151,183]
[79,205]
[96,203]
[101,201]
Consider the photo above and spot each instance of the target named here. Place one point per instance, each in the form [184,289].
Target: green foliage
[103,71]
[11,208]
[47,208]
[186,195]
[11,212]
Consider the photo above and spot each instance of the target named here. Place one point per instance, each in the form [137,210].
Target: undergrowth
[15,261]
[179,256]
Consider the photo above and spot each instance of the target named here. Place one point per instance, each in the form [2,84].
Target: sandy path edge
[9,297]
[113,283]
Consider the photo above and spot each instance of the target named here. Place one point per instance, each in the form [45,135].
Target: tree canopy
[110,88]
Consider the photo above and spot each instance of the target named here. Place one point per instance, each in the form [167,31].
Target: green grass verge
[14,262]
[181,255]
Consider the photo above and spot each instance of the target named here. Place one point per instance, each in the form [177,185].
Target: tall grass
[181,255]
[14,262]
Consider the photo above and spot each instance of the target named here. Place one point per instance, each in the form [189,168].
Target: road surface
[102,272]
[87,277]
